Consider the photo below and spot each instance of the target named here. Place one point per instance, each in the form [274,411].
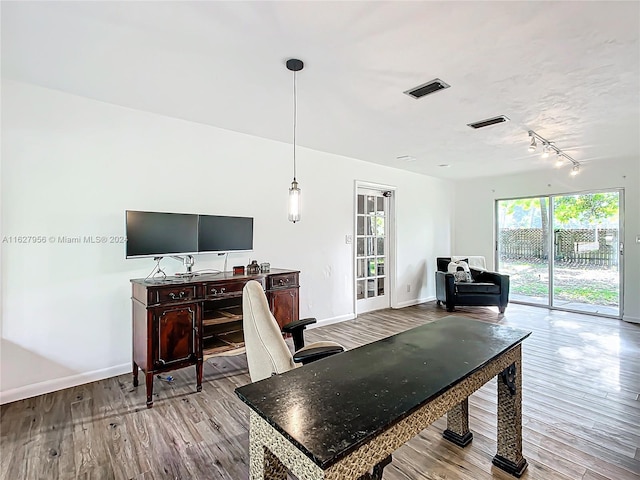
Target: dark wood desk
[340,416]
[180,321]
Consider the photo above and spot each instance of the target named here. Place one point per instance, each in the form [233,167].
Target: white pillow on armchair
[460,271]
[475,261]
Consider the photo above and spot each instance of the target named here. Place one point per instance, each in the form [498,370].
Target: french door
[372,220]
[563,251]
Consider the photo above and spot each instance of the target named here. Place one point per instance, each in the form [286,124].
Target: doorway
[373,219]
[563,251]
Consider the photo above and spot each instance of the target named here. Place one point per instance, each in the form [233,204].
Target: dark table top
[330,407]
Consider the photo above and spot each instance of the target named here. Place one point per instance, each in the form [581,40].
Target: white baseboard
[416,301]
[329,321]
[630,319]
[49,386]
[351,316]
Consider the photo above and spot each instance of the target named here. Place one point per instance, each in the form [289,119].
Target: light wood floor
[581,412]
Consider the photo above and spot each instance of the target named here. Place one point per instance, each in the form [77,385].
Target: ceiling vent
[488,121]
[427,88]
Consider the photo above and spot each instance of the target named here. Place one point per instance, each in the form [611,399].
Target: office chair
[267,352]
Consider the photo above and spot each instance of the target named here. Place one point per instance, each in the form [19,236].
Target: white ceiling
[568,70]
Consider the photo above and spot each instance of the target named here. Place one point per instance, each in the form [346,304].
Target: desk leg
[199,375]
[149,381]
[263,465]
[458,425]
[509,456]
[135,374]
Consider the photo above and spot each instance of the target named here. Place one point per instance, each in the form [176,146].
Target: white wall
[71,167]
[473,224]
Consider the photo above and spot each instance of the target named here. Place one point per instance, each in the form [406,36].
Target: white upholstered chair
[267,352]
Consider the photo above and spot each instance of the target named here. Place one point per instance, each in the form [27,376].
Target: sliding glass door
[563,251]
[523,248]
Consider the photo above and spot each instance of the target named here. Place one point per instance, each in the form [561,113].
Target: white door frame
[391,232]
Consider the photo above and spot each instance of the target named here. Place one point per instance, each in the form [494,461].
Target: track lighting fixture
[548,148]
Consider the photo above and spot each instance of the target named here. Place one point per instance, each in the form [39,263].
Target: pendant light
[294,65]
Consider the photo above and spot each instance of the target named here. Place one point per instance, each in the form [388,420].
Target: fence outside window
[572,247]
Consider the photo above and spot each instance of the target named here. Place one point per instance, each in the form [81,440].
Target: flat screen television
[154,234]
[157,234]
[224,234]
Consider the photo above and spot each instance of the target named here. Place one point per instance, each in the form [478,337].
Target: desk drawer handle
[180,295]
[283,281]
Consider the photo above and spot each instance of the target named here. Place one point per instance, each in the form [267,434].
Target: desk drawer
[283,280]
[173,294]
[232,288]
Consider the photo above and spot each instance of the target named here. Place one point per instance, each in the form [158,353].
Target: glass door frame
[391,236]
[551,240]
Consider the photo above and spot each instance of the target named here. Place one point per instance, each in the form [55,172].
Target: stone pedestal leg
[509,456]
[458,425]
[263,465]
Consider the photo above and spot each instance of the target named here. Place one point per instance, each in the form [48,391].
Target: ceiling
[568,70]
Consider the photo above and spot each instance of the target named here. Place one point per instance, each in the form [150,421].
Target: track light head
[545,151]
[575,170]
[532,145]
[559,161]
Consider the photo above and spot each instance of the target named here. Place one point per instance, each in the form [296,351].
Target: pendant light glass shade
[294,65]
[294,202]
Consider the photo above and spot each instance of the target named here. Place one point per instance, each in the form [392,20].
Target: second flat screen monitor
[224,234]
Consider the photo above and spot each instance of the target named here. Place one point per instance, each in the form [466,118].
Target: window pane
[361,204]
[371,267]
[380,266]
[380,241]
[360,226]
[371,288]
[380,226]
[360,247]
[380,210]
[371,204]
[370,246]
[360,289]
[371,225]
[361,265]
[380,286]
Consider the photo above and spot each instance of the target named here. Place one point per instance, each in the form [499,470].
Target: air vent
[488,121]
[427,88]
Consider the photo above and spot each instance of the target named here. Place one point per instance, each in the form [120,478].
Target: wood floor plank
[581,412]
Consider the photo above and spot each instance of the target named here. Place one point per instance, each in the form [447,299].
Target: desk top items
[238,270]
[265,267]
[253,268]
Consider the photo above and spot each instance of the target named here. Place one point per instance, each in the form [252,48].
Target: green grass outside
[593,286]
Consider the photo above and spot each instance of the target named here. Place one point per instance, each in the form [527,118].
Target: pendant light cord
[295,115]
